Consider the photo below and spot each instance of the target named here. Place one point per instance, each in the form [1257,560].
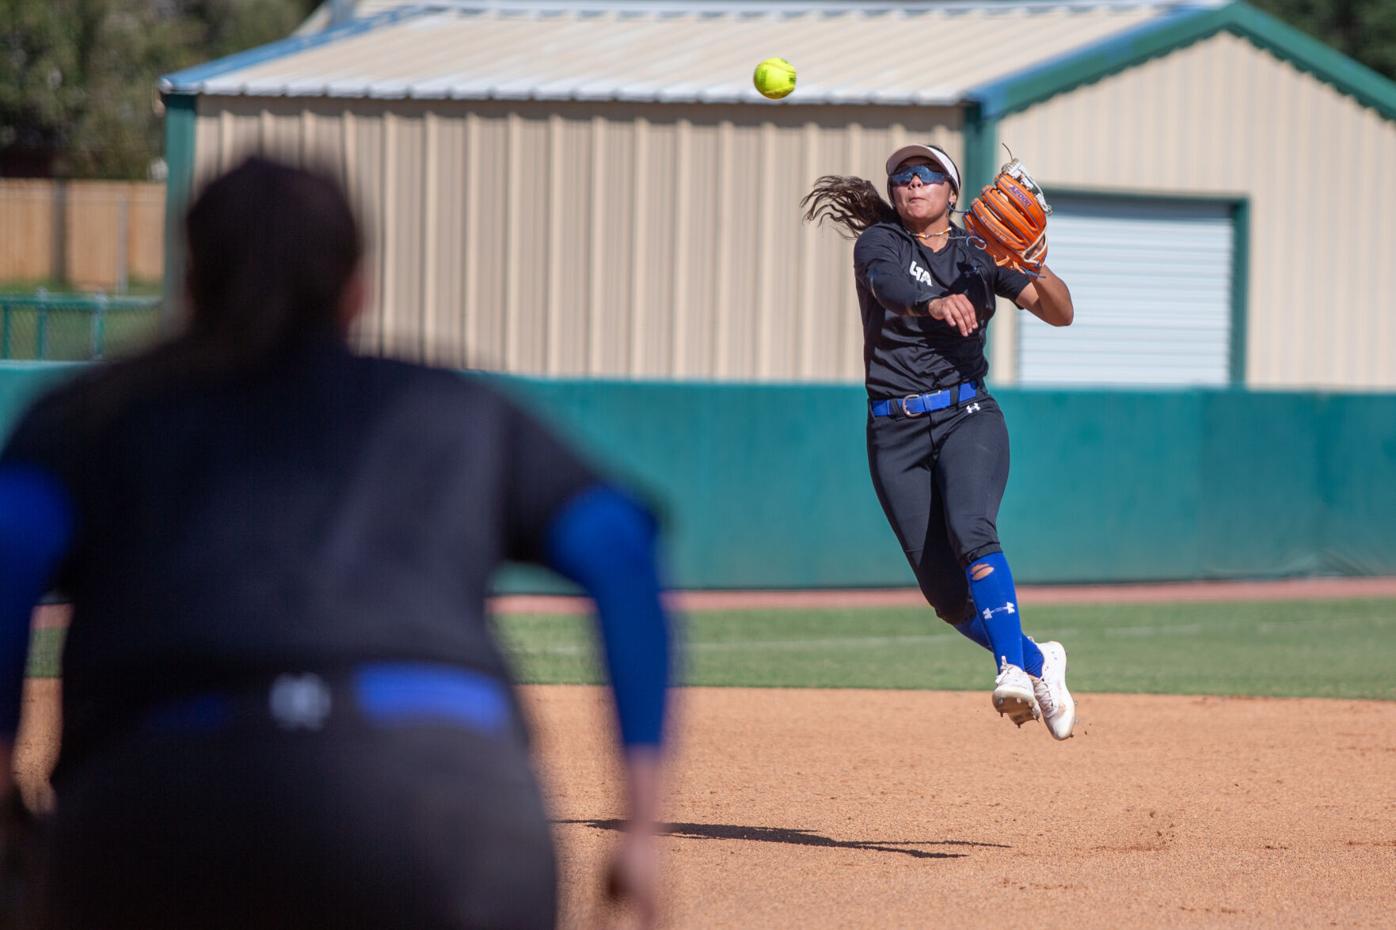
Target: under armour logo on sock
[974,408]
[1005,609]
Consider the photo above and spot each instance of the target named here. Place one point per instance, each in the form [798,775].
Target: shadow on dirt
[724,831]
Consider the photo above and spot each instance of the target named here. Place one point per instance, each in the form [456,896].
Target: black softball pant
[420,827]
[940,478]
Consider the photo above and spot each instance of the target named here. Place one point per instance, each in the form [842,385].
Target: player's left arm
[607,543]
[1047,298]
[36,526]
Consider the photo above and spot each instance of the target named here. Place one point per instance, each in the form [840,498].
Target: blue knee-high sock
[973,629]
[1032,658]
[996,602]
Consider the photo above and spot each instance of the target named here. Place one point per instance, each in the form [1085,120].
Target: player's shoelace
[1007,674]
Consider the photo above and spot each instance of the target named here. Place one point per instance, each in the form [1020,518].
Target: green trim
[1310,55]
[980,140]
[981,136]
[1174,31]
[1240,288]
[1240,208]
[181,111]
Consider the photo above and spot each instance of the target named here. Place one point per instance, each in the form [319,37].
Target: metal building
[569,187]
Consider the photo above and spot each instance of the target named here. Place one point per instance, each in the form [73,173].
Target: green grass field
[1300,648]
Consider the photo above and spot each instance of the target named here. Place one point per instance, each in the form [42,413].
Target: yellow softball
[774,78]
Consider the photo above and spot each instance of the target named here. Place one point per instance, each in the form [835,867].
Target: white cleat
[1013,694]
[1058,706]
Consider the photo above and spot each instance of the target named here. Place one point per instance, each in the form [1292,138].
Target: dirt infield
[879,809]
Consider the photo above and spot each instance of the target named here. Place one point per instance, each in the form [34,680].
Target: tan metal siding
[405,315]
[600,284]
[447,258]
[1224,118]
[656,237]
[700,217]
[485,249]
[606,240]
[364,143]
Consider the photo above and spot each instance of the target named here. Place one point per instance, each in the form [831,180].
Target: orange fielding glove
[1009,218]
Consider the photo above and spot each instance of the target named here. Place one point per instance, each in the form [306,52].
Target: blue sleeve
[605,542]
[36,527]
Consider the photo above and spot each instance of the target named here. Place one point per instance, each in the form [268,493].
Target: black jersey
[323,511]
[896,276]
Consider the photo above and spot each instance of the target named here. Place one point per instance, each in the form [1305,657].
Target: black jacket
[904,350]
[323,511]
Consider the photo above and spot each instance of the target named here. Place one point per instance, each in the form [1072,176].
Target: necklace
[934,235]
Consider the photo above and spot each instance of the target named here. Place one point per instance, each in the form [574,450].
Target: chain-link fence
[74,327]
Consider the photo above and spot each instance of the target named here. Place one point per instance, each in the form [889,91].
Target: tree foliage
[78,77]
[1361,29]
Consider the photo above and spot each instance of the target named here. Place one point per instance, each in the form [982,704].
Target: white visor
[917,150]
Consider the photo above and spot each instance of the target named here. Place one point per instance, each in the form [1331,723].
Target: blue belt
[915,405]
[386,694]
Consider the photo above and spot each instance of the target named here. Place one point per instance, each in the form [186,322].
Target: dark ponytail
[271,249]
[851,203]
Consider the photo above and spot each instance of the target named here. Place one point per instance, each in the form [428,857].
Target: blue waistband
[915,405]
[380,693]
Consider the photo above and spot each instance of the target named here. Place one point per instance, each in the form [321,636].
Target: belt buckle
[907,413]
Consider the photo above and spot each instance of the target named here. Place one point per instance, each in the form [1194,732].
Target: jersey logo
[974,408]
[921,274]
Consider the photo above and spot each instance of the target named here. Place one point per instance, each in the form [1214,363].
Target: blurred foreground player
[282,703]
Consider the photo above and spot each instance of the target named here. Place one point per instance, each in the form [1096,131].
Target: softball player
[282,703]
[937,442]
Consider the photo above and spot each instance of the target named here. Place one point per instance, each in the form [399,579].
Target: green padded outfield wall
[767,485]
[21,381]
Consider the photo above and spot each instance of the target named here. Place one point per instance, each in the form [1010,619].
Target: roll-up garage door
[1152,284]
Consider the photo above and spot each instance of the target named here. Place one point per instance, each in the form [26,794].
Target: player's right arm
[883,260]
[1048,299]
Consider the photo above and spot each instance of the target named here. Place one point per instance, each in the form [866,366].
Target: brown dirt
[878,809]
[882,809]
